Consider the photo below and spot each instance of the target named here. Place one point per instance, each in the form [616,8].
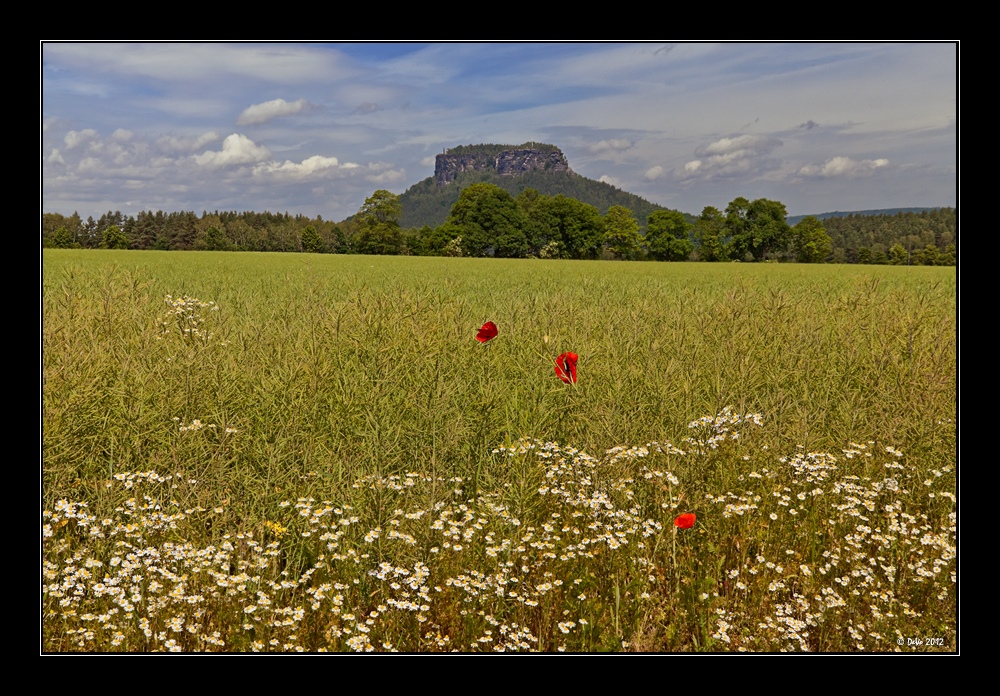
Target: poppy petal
[685,521]
[566,367]
[487,332]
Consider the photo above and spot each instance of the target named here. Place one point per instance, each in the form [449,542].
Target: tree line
[487,221]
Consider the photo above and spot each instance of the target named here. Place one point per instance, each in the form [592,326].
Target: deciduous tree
[378,227]
[621,233]
[668,236]
[490,221]
[114,238]
[810,242]
[756,228]
[709,232]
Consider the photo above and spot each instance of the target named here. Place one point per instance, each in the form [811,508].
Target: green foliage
[912,230]
[756,228]
[382,207]
[437,240]
[709,233]
[312,243]
[490,222]
[566,228]
[553,226]
[379,238]
[668,236]
[63,239]
[621,233]
[928,256]
[453,248]
[216,240]
[114,238]
[898,255]
[810,242]
[378,225]
[426,203]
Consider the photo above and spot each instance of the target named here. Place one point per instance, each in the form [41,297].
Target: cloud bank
[266,111]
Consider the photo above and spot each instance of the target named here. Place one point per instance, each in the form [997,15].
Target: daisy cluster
[185,318]
[860,556]
[572,552]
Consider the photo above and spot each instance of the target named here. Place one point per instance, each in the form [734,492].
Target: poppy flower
[685,521]
[488,331]
[566,367]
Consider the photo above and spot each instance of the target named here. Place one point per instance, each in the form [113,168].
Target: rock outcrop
[510,162]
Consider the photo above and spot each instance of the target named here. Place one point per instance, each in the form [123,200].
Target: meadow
[298,452]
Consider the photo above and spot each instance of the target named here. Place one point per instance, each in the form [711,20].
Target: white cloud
[121,135]
[204,139]
[195,62]
[428,161]
[612,145]
[611,180]
[388,177]
[739,155]
[236,149]
[173,143]
[741,144]
[654,172]
[54,157]
[307,167]
[843,166]
[265,111]
[76,138]
[318,166]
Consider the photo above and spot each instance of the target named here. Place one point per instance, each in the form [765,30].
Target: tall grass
[332,443]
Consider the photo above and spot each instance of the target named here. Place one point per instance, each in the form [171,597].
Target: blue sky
[316,128]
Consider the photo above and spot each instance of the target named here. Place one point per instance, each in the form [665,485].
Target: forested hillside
[859,238]
[426,203]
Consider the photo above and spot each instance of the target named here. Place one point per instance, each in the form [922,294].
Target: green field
[326,458]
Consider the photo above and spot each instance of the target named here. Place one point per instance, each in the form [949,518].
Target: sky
[315,129]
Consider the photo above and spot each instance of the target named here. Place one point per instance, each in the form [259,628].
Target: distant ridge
[514,168]
[881,211]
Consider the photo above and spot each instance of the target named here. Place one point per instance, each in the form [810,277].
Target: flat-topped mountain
[514,168]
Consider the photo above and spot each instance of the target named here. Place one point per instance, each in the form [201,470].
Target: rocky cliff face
[507,162]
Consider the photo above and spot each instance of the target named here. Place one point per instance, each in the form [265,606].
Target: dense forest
[860,238]
[426,203]
[487,220]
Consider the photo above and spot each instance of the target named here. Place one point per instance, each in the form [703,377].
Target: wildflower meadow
[311,453]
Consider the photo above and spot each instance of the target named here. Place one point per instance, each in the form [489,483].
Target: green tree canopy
[756,228]
[311,242]
[709,232]
[811,243]
[667,236]
[382,207]
[566,228]
[621,233]
[114,238]
[490,222]
[63,239]
[378,224]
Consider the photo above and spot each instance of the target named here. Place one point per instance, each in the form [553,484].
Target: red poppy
[566,367]
[685,521]
[488,331]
